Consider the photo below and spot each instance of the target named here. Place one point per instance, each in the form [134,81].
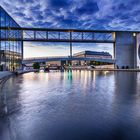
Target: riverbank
[4,74]
[123,70]
[107,69]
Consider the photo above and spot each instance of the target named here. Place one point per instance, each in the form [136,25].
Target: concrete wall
[125,49]
[138,50]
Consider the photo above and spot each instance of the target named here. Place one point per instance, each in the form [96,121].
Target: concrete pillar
[138,49]
[125,49]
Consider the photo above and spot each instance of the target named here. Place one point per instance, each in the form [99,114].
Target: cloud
[59,3]
[89,8]
[91,14]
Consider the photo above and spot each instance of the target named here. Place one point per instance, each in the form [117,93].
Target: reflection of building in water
[11,51]
[90,54]
[125,88]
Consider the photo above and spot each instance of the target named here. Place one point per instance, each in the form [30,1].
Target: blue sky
[82,14]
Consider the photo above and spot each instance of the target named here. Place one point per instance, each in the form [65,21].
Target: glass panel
[10,51]
[2,18]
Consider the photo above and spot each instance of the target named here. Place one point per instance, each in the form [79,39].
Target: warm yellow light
[106,72]
[134,34]
[114,35]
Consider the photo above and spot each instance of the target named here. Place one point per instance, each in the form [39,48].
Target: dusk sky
[82,14]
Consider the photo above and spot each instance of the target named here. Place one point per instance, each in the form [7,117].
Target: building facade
[125,50]
[138,50]
[93,54]
[90,54]
[11,52]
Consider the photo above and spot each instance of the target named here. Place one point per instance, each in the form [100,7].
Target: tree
[36,65]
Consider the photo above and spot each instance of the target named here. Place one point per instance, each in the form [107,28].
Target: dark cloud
[42,24]
[92,14]
[89,8]
[20,14]
[26,1]
[59,3]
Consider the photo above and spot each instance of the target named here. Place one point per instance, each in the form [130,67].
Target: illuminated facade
[93,54]
[90,54]
[11,52]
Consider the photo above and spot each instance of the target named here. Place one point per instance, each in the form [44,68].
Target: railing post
[82,36]
[34,34]
[59,35]
[47,35]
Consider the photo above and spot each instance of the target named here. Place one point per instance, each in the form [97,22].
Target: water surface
[77,105]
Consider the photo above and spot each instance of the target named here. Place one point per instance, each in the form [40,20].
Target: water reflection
[74,105]
[70,75]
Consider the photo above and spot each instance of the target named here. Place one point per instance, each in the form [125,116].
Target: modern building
[93,54]
[90,54]
[11,52]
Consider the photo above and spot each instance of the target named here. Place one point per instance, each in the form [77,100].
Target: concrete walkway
[106,69]
[4,74]
[117,70]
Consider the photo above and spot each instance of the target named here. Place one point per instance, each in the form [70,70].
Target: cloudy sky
[82,14]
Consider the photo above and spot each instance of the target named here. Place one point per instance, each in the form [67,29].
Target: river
[74,105]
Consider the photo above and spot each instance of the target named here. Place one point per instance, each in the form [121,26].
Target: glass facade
[11,52]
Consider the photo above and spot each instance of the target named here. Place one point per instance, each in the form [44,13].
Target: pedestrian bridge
[65,58]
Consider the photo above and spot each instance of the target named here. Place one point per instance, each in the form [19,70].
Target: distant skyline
[78,14]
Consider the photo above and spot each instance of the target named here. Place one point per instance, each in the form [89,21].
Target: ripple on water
[78,105]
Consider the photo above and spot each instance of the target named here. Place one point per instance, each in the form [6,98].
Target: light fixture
[134,34]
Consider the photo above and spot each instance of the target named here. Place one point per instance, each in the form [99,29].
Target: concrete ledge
[4,74]
[123,70]
[24,71]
